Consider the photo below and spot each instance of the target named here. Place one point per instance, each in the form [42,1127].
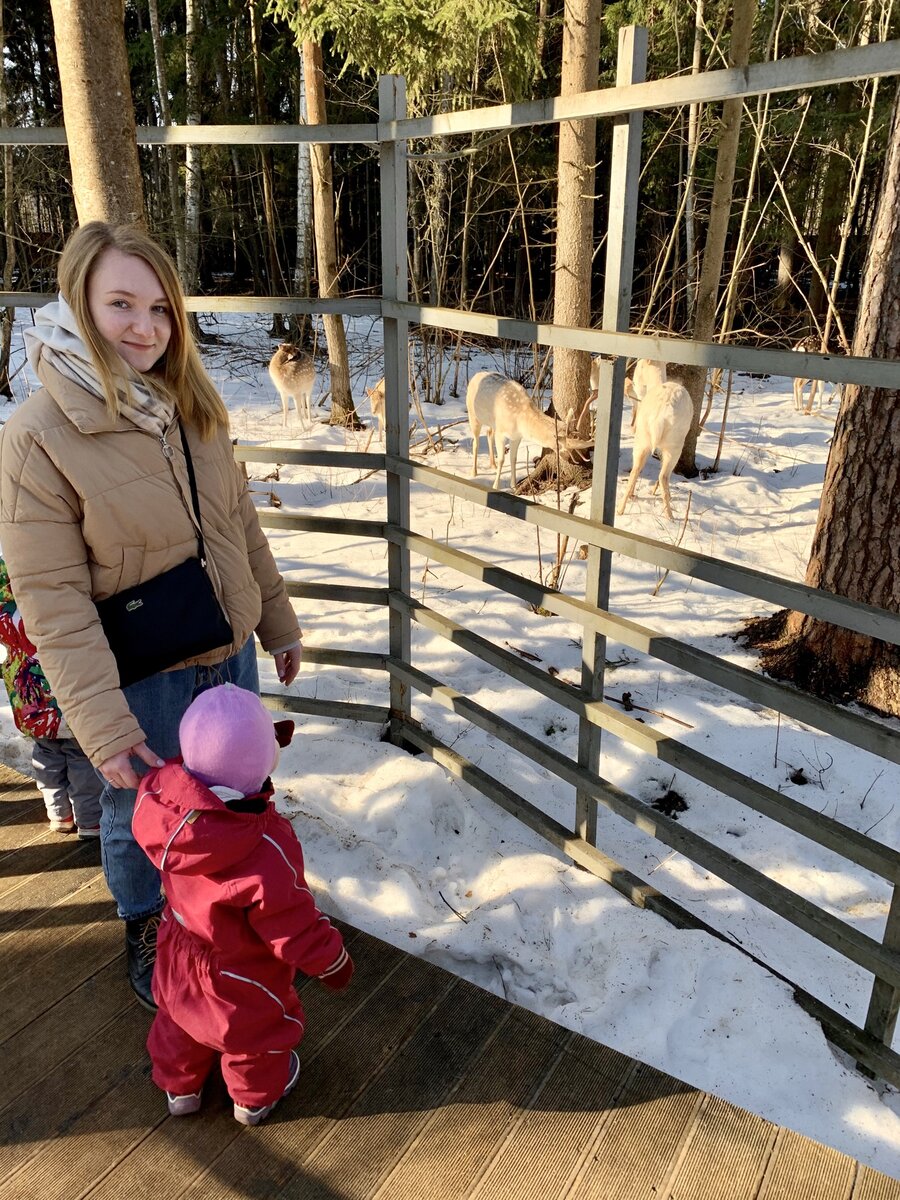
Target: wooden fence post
[884,1003]
[394,286]
[623,199]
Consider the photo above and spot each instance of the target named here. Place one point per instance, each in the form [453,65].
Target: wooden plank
[63,961]
[375,1131]
[347,305]
[69,1027]
[558,1127]
[773,589]
[33,904]
[445,1159]
[85,903]
[46,1145]
[871,1185]
[800,1167]
[340,593]
[725,1135]
[47,854]
[211,135]
[639,1146]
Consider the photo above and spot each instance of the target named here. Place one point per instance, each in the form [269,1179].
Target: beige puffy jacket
[91,505]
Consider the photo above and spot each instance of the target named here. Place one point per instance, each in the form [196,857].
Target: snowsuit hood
[185,829]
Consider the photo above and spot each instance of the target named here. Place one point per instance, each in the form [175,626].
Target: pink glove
[339,973]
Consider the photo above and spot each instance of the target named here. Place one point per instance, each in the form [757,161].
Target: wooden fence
[624,104]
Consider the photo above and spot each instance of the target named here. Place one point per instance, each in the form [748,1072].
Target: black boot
[140,945]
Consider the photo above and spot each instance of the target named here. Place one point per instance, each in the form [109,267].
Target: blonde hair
[179,375]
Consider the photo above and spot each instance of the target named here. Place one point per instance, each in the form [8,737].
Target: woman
[95,498]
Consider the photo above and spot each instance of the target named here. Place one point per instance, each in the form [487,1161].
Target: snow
[400,848]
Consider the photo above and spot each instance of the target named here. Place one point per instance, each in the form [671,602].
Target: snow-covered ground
[399,848]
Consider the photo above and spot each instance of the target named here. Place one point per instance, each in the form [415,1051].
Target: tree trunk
[575,204]
[190,274]
[170,152]
[342,410]
[7,315]
[693,138]
[856,551]
[276,279]
[97,108]
[300,322]
[694,378]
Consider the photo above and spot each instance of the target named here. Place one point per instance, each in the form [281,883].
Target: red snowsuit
[239,920]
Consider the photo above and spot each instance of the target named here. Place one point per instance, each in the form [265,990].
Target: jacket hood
[185,828]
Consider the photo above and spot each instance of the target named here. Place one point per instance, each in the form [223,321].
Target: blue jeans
[158,704]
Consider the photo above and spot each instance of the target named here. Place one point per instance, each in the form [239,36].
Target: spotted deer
[293,372]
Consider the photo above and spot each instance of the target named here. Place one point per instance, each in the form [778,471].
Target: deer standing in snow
[662,419]
[376,399]
[293,372]
[504,410]
[807,345]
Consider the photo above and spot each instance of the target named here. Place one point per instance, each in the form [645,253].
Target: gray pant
[67,781]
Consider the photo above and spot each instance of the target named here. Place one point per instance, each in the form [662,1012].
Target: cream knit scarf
[55,339]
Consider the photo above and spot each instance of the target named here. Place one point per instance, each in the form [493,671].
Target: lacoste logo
[133,604]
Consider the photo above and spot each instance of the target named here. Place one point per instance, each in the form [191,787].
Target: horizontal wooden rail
[348,306]
[270,518]
[210,135]
[843,841]
[342,709]
[860,1045]
[341,593]
[827,606]
[835,368]
[781,75]
[332,656]
[310,458]
[802,913]
[858,731]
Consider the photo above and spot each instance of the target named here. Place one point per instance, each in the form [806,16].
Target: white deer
[807,345]
[293,372]
[504,410]
[663,418]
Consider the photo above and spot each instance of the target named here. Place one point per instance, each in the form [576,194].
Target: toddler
[70,786]
[239,919]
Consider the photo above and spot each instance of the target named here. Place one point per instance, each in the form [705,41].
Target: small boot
[140,944]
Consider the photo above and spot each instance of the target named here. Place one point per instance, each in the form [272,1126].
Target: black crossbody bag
[172,617]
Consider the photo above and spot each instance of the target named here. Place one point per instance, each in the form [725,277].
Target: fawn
[376,399]
[504,409]
[294,374]
[662,419]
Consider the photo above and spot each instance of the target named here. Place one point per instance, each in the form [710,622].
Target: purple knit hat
[227,737]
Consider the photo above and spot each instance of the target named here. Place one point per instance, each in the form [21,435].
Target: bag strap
[195,499]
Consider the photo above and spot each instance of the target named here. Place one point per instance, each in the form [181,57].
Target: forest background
[483,207]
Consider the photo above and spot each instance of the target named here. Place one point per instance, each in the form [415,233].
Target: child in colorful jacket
[239,919]
[70,786]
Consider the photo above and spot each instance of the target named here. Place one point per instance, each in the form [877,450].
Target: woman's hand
[118,771]
[287,664]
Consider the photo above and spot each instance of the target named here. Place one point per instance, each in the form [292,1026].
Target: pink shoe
[62,824]
[253,1116]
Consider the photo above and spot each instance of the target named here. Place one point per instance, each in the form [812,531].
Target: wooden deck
[416,1085]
